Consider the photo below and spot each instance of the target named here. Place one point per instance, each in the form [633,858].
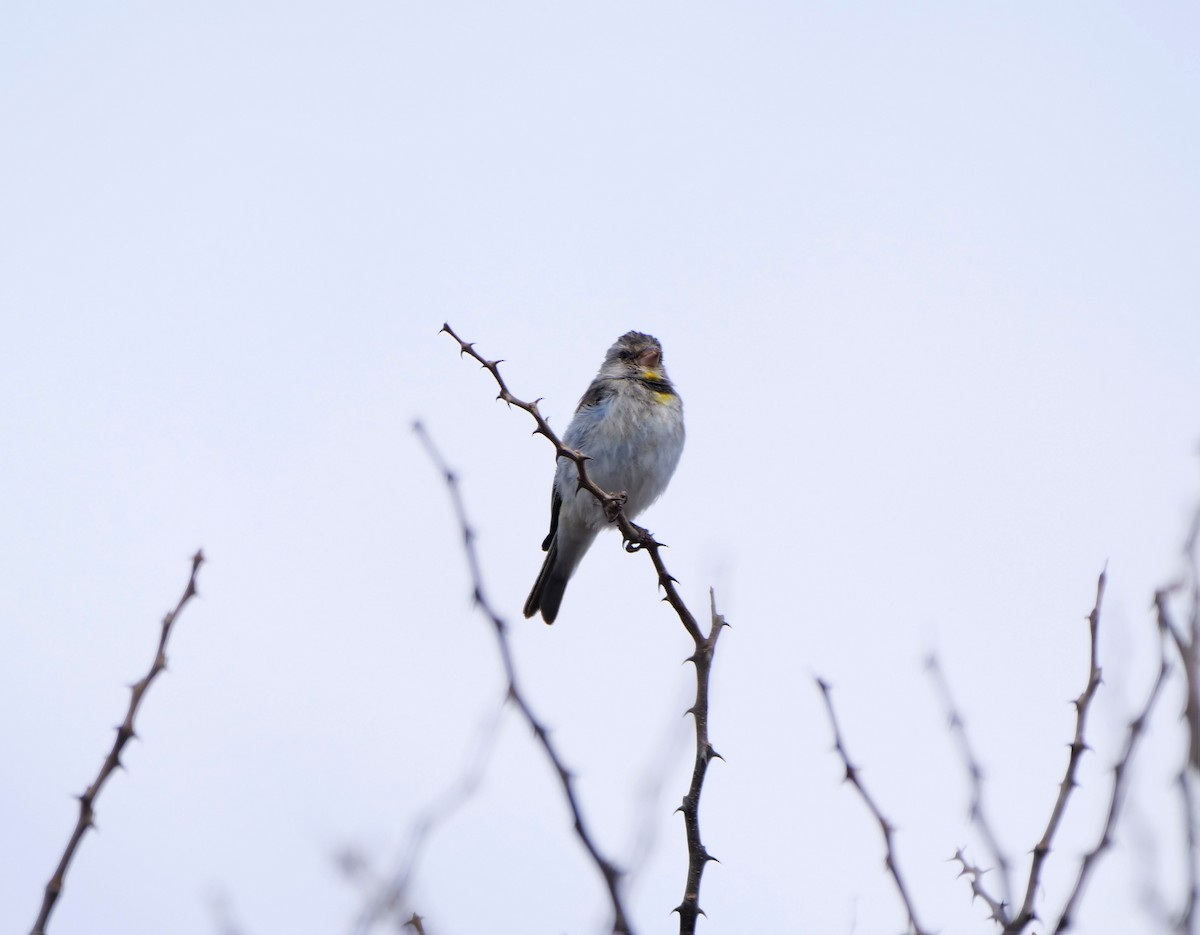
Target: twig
[1189,920]
[698,856]
[885,826]
[391,895]
[1078,745]
[125,732]
[610,874]
[1186,649]
[638,539]
[1137,728]
[975,777]
[1187,917]
[975,875]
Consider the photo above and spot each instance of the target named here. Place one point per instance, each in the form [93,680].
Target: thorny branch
[1186,924]
[1187,647]
[1187,644]
[885,826]
[638,539]
[698,856]
[1078,745]
[1137,728]
[125,732]
[999,912]
[958,730]
[611,875]
[1189,653]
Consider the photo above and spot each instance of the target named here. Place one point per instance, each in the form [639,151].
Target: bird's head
[635,355]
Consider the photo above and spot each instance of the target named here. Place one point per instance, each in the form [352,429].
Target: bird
[630,425]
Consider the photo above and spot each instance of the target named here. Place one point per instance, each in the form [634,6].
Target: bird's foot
[612,506]
[640,539]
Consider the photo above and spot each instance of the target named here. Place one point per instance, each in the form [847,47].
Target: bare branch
[608,871]
[1187,924]
[1078,745]
[125,732]
[698,856]
[1186,647]
[1189,652]
[1137,728]
[975,777]
[975,875]
[885,826]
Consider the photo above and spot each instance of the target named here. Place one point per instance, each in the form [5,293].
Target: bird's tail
[547,593]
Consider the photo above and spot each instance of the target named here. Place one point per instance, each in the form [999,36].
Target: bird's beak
[650,358]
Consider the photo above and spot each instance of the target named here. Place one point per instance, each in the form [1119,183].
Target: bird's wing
[555,506]
[597,393]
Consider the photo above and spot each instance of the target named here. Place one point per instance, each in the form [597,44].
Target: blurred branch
[390,896]
[1187,647]
[638,539]
[1187,917]
[1137,728]
[607,870]
[1078,745]
[125,732]
[885,826]
[1189,922]
[975,777]
[975,875]
[1187,644]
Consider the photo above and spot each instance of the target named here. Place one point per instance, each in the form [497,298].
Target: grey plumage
[630,424]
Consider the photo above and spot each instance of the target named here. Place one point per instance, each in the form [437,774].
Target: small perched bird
[630,425]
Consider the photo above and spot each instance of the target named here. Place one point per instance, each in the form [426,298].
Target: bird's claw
[641,539]
[613,505]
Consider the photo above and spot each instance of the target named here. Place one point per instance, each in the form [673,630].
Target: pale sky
[926,279]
